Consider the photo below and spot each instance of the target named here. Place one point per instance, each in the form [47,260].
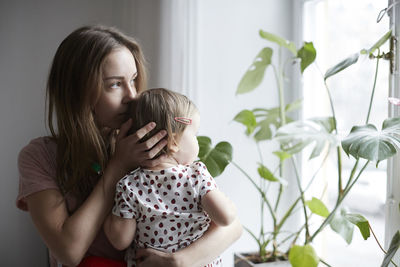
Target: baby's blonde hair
[162,106]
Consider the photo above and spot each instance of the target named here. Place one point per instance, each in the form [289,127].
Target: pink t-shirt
[37,172]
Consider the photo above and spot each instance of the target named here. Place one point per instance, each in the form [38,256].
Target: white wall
[227,42]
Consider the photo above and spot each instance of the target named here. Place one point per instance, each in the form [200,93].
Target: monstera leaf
[368,143]
[295,136]
[264,122]
[255,74]
[215,158]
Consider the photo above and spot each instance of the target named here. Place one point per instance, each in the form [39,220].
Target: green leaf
[342,226]
[255,74]
[279,40]
[295,136]
[217,158]
[307,55]
[393,247]
[265,173]
[294,105]
[269,120]
[317,207]
[247,118]
[368,143]
[341,65]
[303,256]
[378,44]
[359,221]
[282,155]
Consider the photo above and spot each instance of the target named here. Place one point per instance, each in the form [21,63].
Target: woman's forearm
[208,247]
[69,236]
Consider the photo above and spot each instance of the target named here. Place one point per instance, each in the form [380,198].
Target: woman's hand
[151,257]
[131,153]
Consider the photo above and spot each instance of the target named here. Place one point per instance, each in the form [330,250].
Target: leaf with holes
[368,143]
[295,136]
[255,74]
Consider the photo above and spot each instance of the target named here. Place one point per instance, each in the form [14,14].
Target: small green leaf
[341,65]
[368,143]
[307,55]
[282,155]
[279,40]
[359,221]
[265,173]
[303,256]
[393,247]
[217,158]
[317,207]
[247,118]
[378,44]
[255,74]
[342,226]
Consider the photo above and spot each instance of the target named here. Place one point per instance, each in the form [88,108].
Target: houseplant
[273,124]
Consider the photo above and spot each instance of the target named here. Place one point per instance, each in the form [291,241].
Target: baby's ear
[173,145]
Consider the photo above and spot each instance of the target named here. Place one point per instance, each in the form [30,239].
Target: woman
[67,180]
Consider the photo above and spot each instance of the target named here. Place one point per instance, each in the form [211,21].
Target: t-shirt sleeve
[124,201]
[206,181]
[36,172]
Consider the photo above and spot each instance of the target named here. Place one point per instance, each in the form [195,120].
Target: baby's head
[170,111]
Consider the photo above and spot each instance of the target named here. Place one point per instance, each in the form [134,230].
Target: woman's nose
[130,93]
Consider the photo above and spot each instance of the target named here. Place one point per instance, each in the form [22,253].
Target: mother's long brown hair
[74,86]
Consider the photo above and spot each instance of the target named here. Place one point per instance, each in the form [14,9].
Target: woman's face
[119,74]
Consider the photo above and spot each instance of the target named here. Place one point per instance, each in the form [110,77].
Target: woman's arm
[204,250]
[120,231]
[69,236]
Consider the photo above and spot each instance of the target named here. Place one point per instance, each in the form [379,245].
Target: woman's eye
[133,81]
[116,85]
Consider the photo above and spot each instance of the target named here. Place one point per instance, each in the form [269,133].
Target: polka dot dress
[166,205]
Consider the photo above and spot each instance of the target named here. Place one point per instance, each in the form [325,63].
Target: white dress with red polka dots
[166,205]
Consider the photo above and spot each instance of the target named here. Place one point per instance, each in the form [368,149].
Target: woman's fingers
[124,129]
[143,131]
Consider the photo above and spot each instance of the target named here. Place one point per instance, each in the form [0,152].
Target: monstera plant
[365,143]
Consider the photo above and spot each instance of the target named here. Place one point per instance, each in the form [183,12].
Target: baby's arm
[119,231]
[220,208]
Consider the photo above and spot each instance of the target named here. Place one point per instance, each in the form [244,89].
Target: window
[338,29]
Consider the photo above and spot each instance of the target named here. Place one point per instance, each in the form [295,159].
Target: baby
[169,206]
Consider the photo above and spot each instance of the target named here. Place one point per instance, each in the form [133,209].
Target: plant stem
[339,157]
[262,186]
[324,262]
[302,200]
[340,199]
[273,215]
[379,244]
[373,87]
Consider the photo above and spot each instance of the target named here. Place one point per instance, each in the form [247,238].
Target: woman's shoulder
[39,145]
